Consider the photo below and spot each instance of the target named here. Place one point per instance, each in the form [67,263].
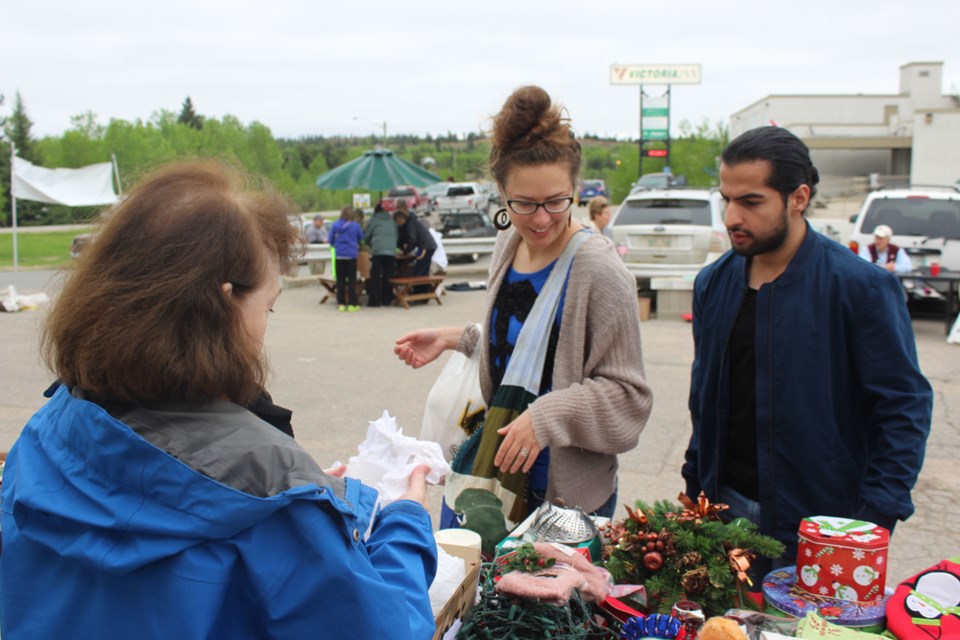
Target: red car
[416,200]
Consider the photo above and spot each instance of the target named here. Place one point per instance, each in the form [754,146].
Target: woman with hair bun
[144,500]
[561,367]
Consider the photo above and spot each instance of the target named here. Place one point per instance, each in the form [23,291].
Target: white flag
[86,186]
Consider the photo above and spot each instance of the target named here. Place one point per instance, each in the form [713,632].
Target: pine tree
[188,115]
[17,127]
[4,171]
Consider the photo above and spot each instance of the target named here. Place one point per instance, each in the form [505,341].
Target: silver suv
[925,223]
[669,233]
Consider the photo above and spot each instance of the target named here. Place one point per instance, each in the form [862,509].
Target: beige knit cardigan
[600,400]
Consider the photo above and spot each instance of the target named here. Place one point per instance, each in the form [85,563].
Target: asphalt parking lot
[337,371]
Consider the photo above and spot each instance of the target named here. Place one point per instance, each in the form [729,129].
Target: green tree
[188,115]
[17,128]
[4,170]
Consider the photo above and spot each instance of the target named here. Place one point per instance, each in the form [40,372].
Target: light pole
[379,124]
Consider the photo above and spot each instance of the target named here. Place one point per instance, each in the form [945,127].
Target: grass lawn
[45,250]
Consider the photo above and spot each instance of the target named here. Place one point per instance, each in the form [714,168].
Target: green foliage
[695,554]
[294,164]
[188,115]
[17,130]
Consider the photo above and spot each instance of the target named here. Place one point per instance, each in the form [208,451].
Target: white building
[911,135]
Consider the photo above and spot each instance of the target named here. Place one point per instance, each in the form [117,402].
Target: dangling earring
[501,220]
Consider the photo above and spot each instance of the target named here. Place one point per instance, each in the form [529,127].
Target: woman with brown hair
[561,366]
[143,500]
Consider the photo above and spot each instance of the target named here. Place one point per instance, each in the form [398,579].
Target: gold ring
[524,453]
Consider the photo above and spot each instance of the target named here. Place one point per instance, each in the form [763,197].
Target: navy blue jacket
[843,411]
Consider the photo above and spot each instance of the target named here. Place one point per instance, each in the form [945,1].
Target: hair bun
[531,130]
[527,117]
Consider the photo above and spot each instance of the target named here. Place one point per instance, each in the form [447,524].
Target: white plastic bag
[455,404]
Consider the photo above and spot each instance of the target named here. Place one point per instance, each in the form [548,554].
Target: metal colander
[552,523]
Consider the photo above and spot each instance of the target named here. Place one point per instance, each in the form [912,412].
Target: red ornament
[652,561]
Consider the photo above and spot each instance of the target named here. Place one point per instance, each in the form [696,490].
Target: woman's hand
[519,449]
[336,470]
[424,346]
[417,486]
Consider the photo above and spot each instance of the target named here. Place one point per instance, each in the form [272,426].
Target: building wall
[824,115]
[936,147]
[934,153]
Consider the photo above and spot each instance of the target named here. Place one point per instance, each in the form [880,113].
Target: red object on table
[842,558]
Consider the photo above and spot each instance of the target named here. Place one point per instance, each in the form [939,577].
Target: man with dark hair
[806,396]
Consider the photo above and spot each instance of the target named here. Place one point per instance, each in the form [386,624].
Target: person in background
[346,236]
[381,234]
[439,261]
[884,253]
[592,400]
[143,500]
[600,212]
[415,239]
[806,396]
[317,231]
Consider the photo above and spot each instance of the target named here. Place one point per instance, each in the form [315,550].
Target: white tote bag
[455,404]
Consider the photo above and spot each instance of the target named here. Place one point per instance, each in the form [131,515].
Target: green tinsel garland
[692,554]
[498,617]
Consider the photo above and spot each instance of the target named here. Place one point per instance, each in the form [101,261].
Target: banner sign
[86,186]
[655,74]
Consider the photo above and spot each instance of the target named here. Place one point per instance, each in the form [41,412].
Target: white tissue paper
[386,458]
[451,571]
[11,302]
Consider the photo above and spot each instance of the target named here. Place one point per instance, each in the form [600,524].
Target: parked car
[591,189]
[463,196]
[666,233]
[652,181]
[432,191]
[415,199]
[925,223]
[466,225]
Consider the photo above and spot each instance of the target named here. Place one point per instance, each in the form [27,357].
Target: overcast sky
[308,67]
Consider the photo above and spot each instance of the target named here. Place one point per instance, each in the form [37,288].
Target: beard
[770,241]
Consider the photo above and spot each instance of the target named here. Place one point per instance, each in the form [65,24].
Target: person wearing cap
[317,232]
[884,253]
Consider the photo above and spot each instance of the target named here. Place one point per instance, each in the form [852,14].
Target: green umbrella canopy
[376,170]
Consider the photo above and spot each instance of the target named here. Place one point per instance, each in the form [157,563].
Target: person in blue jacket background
[346,234]
[806,395]
[143,500]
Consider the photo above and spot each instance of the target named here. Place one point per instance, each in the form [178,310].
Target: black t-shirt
[740,464]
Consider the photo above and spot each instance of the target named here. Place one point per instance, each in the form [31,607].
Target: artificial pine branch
[683,553]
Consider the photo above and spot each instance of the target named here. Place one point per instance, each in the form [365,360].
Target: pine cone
[691,560]
[695,582]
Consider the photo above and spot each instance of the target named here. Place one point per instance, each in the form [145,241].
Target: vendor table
[950,277]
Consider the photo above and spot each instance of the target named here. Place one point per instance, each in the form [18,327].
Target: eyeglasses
[528,208]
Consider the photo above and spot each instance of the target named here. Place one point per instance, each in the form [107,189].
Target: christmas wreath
[685,552]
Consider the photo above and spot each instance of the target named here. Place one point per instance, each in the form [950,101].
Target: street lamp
[379,124]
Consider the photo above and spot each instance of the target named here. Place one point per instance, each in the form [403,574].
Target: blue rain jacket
[107,536]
